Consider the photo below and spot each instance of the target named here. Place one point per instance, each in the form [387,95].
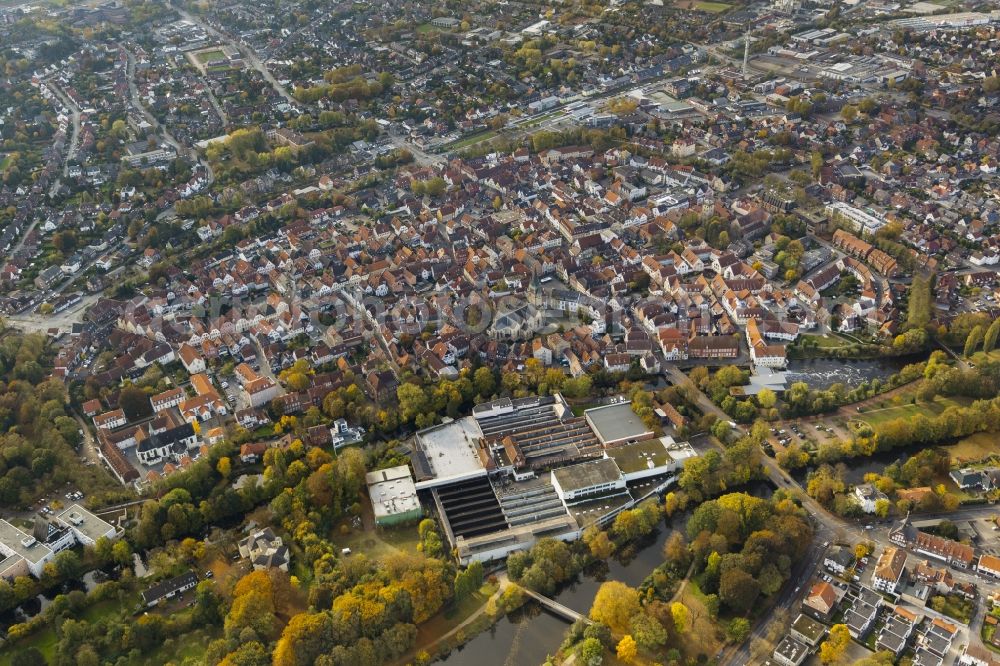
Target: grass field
[879,415]
[208,56]
[188,646]
[826,341]
[43,641]
[470,140]
[381,543]
[712,7]
[427,28]
[972,448]
[703,636]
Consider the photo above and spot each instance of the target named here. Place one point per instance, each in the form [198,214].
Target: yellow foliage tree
[834,648]
[627,649]
[615,605]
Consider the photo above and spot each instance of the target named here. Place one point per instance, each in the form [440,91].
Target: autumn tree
[738,590]
[834,648]
[682,617]
[627,649]
[599,543]
[990,339]
[615,604]
[252,607]
[305,638]
[974,340]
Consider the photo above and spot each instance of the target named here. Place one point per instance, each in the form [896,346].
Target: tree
[134,402]
[738,590]
[599,543]
[738,630]
[224,467]
[816,162]
[990,339]
[253,606]
[615,604]
[121,552]
[590,652]
[648,632]
[627,650]
[484,382]
[682,617]
[305,638]
[974,340]
[766,398]
[833,649]
[882,507]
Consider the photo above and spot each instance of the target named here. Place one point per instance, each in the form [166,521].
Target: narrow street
[829,528]
[75,111]
[247,54]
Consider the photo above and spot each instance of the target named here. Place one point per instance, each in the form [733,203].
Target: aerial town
[500,333]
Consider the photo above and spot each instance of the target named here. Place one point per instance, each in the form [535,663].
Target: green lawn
[825,341]
[713,7]
[107,608]
[43,641]
[208,56]
[470,140]
[427,28]
[190,646]
[879,415]
[380,542]
[972,448]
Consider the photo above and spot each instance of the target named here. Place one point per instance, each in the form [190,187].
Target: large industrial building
[518,470]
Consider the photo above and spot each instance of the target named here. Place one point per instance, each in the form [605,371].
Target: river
[821,373]
[531,634]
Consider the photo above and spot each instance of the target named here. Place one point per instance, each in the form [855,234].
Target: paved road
[829,528]
[248,55]
[162,131]
[74,140]
[420,156]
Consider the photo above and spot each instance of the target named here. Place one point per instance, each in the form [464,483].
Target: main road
[828,526]
[247,54]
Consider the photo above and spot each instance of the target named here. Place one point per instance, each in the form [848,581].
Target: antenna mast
[746,52]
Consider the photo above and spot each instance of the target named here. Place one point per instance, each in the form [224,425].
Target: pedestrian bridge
[557,607]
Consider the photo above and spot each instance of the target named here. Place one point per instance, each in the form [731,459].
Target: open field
[879,415]
[824,341]
[189,646]
[209,56]
[712,7]
[972,448]
[43,641]
[703,637]
[381,543]
[470,140]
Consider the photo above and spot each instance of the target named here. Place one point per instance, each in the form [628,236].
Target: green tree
[990,339]
[974,340]
[738,589]
[738,630]
[766,398]
[590,652]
